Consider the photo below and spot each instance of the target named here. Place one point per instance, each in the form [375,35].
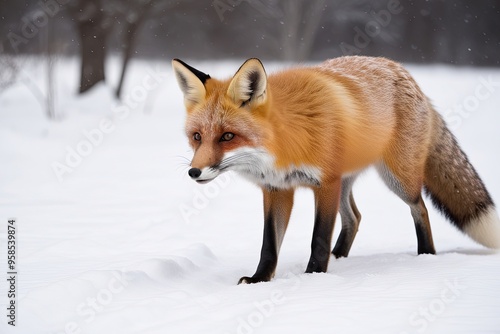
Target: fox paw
[251,280]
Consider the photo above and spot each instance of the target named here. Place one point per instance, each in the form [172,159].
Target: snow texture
[122,241]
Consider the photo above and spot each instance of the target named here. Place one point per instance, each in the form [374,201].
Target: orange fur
[314,116]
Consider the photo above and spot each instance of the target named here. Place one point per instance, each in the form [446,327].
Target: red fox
[319,127]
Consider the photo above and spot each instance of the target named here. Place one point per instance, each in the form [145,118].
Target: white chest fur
[258,166]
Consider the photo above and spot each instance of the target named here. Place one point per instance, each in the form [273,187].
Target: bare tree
[134,14]
[12,68]
[300,23]
[9,69]
[94,23]
[294,23]
[51,58]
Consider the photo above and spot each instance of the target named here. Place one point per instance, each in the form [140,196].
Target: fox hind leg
[350,218]
[407,186]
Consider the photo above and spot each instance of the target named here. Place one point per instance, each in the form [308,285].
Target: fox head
[224,118]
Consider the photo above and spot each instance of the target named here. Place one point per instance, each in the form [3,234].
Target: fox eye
[227,136]
[197,136]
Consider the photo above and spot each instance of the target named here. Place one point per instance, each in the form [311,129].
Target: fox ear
[191,81]
[249,84]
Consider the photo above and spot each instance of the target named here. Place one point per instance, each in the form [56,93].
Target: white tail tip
[485,229]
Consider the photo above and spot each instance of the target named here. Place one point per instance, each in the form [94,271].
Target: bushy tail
[457,191]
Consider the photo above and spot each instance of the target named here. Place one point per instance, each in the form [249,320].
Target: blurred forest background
[458,32]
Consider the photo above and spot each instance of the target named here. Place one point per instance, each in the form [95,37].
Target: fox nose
[194,173]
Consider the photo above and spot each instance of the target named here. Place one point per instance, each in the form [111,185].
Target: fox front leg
[327,204]
[277,209]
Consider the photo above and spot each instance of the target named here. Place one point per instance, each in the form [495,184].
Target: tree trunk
[93,27]
[130,35]
[93,53]
[300,26]
[291,27]
[51,63]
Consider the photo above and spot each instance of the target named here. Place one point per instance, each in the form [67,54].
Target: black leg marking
[344,243]
[277,209]
[327,204]
[425,244]
[417,207]
[320,246]
[268,255]
[350,219]
[422,227]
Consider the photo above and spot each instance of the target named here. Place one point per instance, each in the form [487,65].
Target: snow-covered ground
[115,238]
